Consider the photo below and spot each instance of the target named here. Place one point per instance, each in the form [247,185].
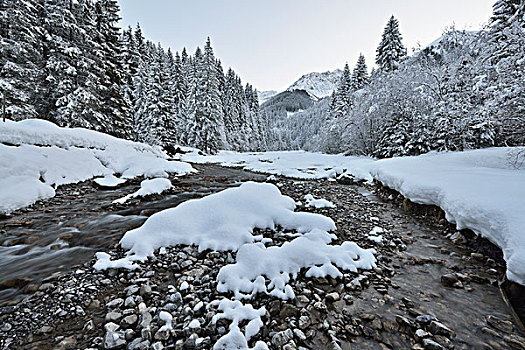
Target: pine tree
[20,56]
[390,51]
[507,69]
[505,14]
[360,74]
[209,117]
[114,105]
[342,99]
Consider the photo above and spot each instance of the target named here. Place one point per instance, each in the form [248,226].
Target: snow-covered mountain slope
[264,96]
[318,84]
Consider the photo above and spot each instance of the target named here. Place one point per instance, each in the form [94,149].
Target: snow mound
[36,156]
[104,262]
[147,187]
[44,133]
[479,190]
[222,221]
[109,181]
[245,277]
[318,203]
[17,191]
[237,312]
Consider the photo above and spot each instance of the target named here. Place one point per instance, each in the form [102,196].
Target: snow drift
[36,156]
[480,190]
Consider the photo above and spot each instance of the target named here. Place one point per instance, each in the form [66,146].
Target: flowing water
[67,230]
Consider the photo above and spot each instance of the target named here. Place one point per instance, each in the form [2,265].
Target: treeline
[465,91]
[67,61]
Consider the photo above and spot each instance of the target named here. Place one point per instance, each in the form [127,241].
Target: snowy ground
[36,156]
[482,190]
[294,164]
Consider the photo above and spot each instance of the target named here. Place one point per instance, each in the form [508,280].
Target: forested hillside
[70,63]
[464,91]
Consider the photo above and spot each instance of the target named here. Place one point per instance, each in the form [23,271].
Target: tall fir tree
[20,56]
[360,74]
[390,51]
[114,105]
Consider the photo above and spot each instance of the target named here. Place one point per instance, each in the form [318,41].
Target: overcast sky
[271,43]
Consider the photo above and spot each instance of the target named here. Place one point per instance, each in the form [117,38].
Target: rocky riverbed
[429,291]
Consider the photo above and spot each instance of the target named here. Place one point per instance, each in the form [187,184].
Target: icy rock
[280,339]
[425,319]
[130,320]
[458,238]
[130,302]
[184,286]
[175,298]
[139,344]
[133,289]
[194,324]
[113,338]
[403,321]
[145,319]
[115,303]
[304,322]
[157,346]
[421,334]
[299,334]
[113,316]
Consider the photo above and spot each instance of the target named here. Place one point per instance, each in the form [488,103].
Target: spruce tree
[342,100]
[208,107]
[390,51]
[114,105]
[505,14]
[20,56]
[360,74]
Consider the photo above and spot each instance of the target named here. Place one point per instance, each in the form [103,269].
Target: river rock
[145,291]
[114,338]
[438,328]
[280,339]
[304,322]
[429,344]
[289,310]
[449,280]
[115,303]
[499,324]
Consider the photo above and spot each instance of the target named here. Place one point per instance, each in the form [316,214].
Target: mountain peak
[317,84]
